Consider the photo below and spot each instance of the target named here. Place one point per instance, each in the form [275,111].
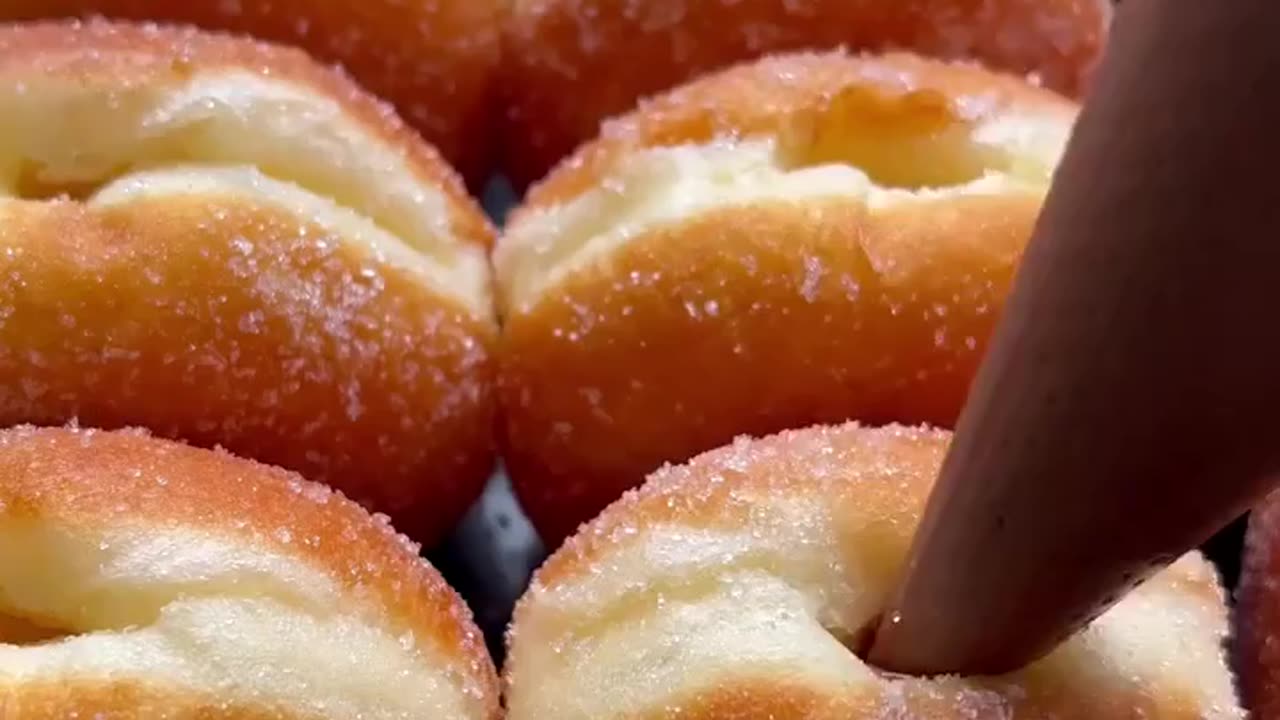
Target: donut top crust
[434,60]
[89,107]
[885,472]
[83,482]
[872,132]
[571,61]
[816,524]
[103,53]
[770,96]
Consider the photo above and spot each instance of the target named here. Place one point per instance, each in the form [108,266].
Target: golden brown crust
[130,701]
[224,305]
[98,52]
[689,494]
[742,334]
[125,701]
[435,61]
[755,315]
[568,63]
[777,95]
[290,350]
[767,697]
[826,514]
[73,479]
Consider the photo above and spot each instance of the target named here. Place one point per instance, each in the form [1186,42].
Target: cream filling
[188,613]
[468,276]
[664,186]
[74,139]
[682,612]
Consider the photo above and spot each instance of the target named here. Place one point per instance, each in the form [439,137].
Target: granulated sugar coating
[735,586]
[227,244]
[573,63]
[1257,643]
[807,238]
[436,60]
[185,583]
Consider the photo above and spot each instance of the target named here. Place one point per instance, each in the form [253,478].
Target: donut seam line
[638,600]
[248,184]
[172,125]
[310,596]
[541,234]
[289,580]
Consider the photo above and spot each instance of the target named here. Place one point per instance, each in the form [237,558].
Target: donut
[569,64]
[742,584]
[802,239]
[144,578]
[226,243]
[436,61]
[1257,614]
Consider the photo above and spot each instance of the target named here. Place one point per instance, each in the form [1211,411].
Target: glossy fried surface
[736,585]
[570,64]
[436,60]
[168,581]
[803,239]
[225,242]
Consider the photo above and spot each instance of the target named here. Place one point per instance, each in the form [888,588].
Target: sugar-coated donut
[569,64]
[143,578]
[224,242]
[1256,652]
[735,587]
[436,61]
[803,239]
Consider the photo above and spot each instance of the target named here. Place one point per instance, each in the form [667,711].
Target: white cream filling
[666,185]
[179,611]
[676,613]
[63,136]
